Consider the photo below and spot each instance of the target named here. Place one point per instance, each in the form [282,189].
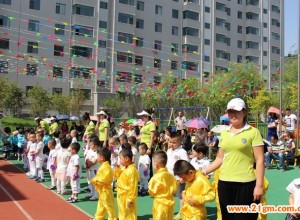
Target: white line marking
[16,203]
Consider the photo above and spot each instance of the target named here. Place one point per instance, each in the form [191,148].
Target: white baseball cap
[236,104]
[52,118]
[143,113]
[101,113]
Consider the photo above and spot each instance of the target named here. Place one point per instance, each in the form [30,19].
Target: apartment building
[127,45]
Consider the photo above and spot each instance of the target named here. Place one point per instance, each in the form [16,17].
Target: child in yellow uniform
[263,199]
[162,187]
[215,188]
[127,187]
[198,191]
[103,184]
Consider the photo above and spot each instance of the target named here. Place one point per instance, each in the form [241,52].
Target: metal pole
[112,61]
[281,60]
[96,48]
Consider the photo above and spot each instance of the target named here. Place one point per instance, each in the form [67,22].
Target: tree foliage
[39,100]
[76,101]
[15,98]
[60,103]
[114,105]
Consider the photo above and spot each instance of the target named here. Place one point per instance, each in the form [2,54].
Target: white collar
[246,126]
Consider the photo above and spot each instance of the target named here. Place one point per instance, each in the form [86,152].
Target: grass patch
[14,122]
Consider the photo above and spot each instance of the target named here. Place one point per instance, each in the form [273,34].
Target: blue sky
[291,25]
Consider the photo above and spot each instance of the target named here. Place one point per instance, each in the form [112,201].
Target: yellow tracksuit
[162,187]
[103,181]
[201,191]
[215,188]
[263,199]
[127,190]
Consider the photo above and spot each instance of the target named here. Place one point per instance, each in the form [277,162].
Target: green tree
[261,102]
[4,88]
[14,99]
[76,101]
[39,100]
[115,105]
[60,103]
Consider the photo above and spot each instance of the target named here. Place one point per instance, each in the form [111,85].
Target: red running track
[22,198]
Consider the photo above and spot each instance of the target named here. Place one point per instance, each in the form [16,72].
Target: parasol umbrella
[130,121]
[274,110]
[219,128]
[197,123]
[62,117]
[74,118]
[225,119]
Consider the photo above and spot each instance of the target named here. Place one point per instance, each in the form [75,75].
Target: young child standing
[74,172]
[197,192]
[200,160]
[63,158]
[103,184]
[144,167]
[127,187]
[39,157]
[51,162]
[73,135]
[162,187]
[31,148]
[132,142]
[21,143]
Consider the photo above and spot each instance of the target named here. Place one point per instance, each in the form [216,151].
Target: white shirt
[134,152]
[131,133]
[294,188]
[175,155]
[62,156]
[144,160]
[74,161]
[40,148]
[180,122]
[290,122]
[74,140]
[32,146]
[51,158]
[200,164]
[121,132]
[92,155]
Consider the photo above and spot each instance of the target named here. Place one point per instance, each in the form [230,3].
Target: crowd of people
[124,161]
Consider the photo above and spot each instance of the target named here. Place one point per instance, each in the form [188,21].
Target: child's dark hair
[40,133]
[56,134]
[95,141]
[143,146]
[200,148]
[52,141]
[65,143]
[123,137]
[75,146]
[93,137]
[7,130]
[21,131]
[132,139]
[62,136]
[126,153]
[105,152]
[126,146]
[182,167]
[175,135]
[160,157]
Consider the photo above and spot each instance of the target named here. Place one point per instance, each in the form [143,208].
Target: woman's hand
[257,193]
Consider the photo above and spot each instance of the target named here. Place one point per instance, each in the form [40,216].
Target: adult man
[212,143]
[180,122]
[276,151]
[290,121]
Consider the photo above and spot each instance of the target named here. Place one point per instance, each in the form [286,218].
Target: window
[275,50]
[240,29]
[32,47]
[140,23]
[6,2]
[158,27]
[223,39]
[175,13]
[140,5]
[252,16]
[275,22]
[265,25]
[239,58]
[31,69]
[188,48]
[57,72]
[102,43]
[174,48]
[101,63]
[187,65]
[33,25]
[100,84]
[138,79]
[240,15]
[158,9]
[125,18]
[157,63]
[123,77]
[80,73]
[59,29]
[207,25]
[124,37]
[252,59]
[4,43]
[175,30]
[188,31]
[82,31]
[275,9]
[252,2]
[222,55]
[265,11]
[222,23]
[157,45]
[81,51]
[275,36]
[83,10]
[252,30]
[265,53]
[103,24]
[206,58]
[240,44]
[28,88]
[3,67]
[240,2]
[207,9]
[220,6]
[139,60]
[265,39]
[207,42]
[4,21]
[127,2]
[206,74]
[56,91]
[174,65]
[103,5]
[58,50]
[124,57]
[34,4]
[156,80]
[60,9]
[139,42]
[191,15]
[252,45]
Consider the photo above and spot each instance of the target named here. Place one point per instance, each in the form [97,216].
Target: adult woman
[148,130]
[272,126]
[90,126]
[64,128]
[240,145]
[103,127]
[186,140]
[54,126]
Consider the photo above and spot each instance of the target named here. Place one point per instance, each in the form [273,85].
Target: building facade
[127,45]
